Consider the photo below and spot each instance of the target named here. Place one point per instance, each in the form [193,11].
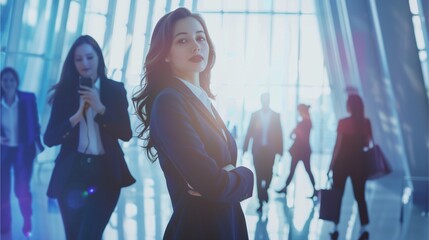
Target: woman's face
[189,51]
[86,61]
[8,83]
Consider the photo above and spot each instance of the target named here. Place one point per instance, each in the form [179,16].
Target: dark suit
[108,172]
[21,159]
[193,150]
[264,155]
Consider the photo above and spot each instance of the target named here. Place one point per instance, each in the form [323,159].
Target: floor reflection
[261,228]
[298,221]
[144,209]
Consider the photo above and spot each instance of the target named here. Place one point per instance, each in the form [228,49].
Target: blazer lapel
[102,86]
[221,124]
[199,105]
[22,127]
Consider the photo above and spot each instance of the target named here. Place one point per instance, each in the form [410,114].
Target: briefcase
[330,204]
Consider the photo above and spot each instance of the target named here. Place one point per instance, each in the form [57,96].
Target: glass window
[95,26]
[280,5]
[293,6]
[260,6]
[284,49]
[236,5]
[311,56]
[73,17]
[210,5]
[307,6]
[136,59]
[99,6]
[118,40]
[418,31]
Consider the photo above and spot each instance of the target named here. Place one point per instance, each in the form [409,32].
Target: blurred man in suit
[265,129]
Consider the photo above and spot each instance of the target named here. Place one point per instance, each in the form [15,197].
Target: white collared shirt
[9,122]
[89,131]
[200,94]
[265,119]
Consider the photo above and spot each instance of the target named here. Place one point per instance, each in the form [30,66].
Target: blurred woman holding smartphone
[88,117]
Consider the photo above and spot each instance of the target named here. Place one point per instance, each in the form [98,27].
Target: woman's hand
[192,192]
[90,96]
[228,167]
[77,117]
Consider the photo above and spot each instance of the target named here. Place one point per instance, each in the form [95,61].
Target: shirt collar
[97,83]
[15,102]
[196,90]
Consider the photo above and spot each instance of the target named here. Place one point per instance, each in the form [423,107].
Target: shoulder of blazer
[256,114]
[177,91]
[169,94]
[275,113]
[25,95]
[109,83]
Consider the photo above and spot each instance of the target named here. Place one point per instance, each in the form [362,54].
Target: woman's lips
[196,59]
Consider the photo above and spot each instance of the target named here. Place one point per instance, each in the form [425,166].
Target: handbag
[376,164]
[330,203]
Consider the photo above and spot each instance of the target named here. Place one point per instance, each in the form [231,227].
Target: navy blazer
[28,125]
[114,124]
[193,150]
[274,133]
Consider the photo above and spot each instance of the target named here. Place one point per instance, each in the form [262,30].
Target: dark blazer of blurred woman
[196,151]
[87,123]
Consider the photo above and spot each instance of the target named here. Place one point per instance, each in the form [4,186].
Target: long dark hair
[158,73]
[11,71]
[69,74]
[356,108]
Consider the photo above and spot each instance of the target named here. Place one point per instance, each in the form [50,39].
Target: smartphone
[85,81]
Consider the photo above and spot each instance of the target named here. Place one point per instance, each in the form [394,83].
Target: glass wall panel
[209,5]
[307,6]
[135,63]
[293,6]
[236,5]
[311,56]
[280,5]
[284,50]
[95,27]
[256,51]
[260,6]
[118,41]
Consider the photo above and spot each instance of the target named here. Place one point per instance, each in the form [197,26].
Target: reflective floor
[144,208]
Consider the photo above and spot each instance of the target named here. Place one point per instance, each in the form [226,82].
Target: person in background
[266,131]
[353,135]
[301,150]
[87,120]
[196,151]
[20,143]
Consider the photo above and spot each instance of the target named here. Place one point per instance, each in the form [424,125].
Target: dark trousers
[21,161]
[88,199]
[263,159]
[293,164]
[358,182]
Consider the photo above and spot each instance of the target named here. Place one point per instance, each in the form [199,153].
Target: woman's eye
[200,39]
[182,41]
